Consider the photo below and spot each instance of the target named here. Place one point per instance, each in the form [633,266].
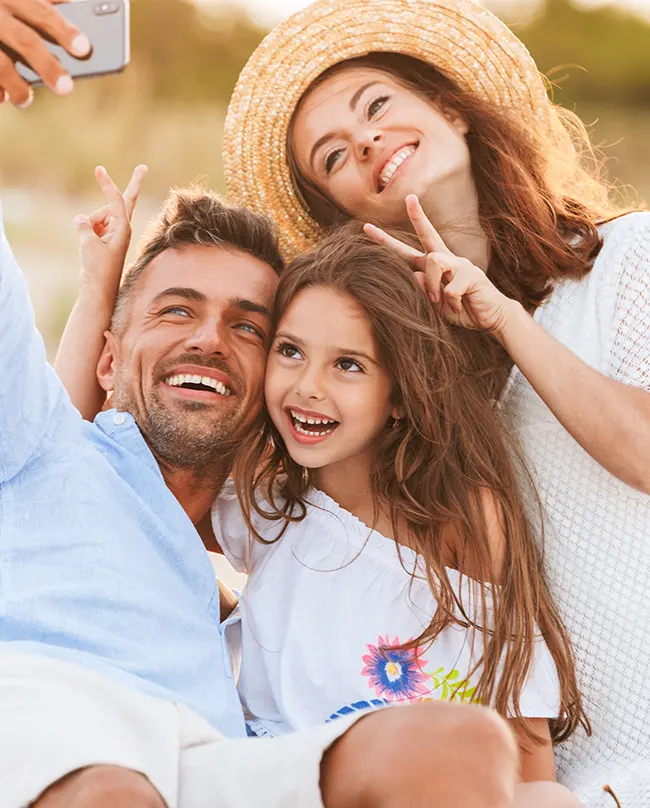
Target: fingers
[17,90]
[43,15]
[132,191]
[112,193]
[410,254]
[426,232]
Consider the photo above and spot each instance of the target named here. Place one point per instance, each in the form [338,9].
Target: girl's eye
[252,329]
[288,350]
[180,310]
[349,365]
[376,105]
[331,159]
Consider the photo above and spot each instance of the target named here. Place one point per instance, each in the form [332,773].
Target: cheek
[276,385]
[367,407]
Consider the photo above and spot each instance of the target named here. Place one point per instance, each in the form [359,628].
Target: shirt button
[119,418]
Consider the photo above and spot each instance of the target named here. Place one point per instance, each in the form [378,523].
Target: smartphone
[105,23]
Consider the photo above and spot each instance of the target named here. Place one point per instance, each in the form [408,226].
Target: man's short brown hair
[196,216]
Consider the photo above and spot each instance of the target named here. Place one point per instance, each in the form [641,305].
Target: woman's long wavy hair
[431,472]
[541,193]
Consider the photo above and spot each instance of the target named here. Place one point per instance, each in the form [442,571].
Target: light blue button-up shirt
[99,564]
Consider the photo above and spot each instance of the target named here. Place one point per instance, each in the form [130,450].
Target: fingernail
[25,104]
[80,45]
[80,221]
[63,85]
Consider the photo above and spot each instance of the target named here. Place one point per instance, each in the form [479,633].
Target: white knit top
[597,546]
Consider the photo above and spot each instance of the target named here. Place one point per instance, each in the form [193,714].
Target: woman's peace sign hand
[463,292]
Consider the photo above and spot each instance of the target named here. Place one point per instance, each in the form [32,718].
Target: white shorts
[56,717]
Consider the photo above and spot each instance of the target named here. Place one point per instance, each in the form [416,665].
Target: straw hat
[462,39]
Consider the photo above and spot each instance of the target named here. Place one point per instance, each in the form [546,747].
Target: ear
[456,120]
[106,364]
[396,413]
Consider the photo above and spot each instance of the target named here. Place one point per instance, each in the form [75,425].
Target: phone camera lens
[106,8]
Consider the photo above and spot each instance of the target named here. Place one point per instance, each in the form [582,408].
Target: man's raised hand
[463,292]
[18,18]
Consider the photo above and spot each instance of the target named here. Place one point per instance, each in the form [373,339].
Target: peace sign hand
[104,236]
[463,292]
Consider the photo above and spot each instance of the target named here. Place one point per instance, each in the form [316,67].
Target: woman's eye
[376,105]
[350,366]
[331,159]
[288,350]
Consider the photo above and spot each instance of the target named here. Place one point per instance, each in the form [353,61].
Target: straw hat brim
[462,39]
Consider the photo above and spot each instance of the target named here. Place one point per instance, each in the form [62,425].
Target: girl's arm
[610,419]
[536,760]
[104,241]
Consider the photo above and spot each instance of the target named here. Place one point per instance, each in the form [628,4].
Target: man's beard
[183,438]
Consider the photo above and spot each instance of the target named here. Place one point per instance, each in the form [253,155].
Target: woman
[348,108]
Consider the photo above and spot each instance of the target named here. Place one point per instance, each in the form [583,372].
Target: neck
[348,483]
[195,490]
[453,209]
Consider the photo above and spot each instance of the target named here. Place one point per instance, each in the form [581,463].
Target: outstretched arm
[104,239]
[608,416]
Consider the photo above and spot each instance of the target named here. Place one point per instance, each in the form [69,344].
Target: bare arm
[104,241]
[609,419]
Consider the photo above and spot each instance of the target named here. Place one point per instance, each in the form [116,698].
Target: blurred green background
[167,111]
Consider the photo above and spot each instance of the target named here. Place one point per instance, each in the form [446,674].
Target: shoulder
[490,514]
[625,234]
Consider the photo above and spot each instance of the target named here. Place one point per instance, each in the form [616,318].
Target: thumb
[82,223]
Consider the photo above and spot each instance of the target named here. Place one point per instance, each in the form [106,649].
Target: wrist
[95,294]
[513,315]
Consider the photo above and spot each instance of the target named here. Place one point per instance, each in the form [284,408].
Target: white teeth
[395,162]
[312,434]
[309,420]
[191,378]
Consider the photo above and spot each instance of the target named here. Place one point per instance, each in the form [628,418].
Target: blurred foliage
[167,108]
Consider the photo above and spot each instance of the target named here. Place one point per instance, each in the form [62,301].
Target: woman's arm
[104,241]
[609,419]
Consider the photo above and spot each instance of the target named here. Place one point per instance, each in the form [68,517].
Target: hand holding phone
[18,18]
[38,41]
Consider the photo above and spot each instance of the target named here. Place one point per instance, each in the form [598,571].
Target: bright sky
[269,12]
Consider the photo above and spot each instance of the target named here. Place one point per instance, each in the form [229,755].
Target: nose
[310,384]
[367,141]
[209,338]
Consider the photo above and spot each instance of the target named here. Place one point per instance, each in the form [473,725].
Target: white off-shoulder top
[322,612]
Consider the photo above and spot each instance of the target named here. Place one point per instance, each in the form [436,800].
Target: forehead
[218,273]
[338,88]
[324,317]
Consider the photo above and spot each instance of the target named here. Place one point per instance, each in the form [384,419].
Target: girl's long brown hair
[431,471]
[541,193]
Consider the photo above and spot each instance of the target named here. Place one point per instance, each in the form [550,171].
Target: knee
[445,752]
[101,787]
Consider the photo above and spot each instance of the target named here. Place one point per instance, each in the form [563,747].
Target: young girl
[392,560]
[438,98]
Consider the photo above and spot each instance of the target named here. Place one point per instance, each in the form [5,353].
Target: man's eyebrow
[354,100]
[180,291]
[250,305]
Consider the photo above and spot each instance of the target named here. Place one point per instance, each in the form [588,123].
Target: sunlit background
[167,110]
